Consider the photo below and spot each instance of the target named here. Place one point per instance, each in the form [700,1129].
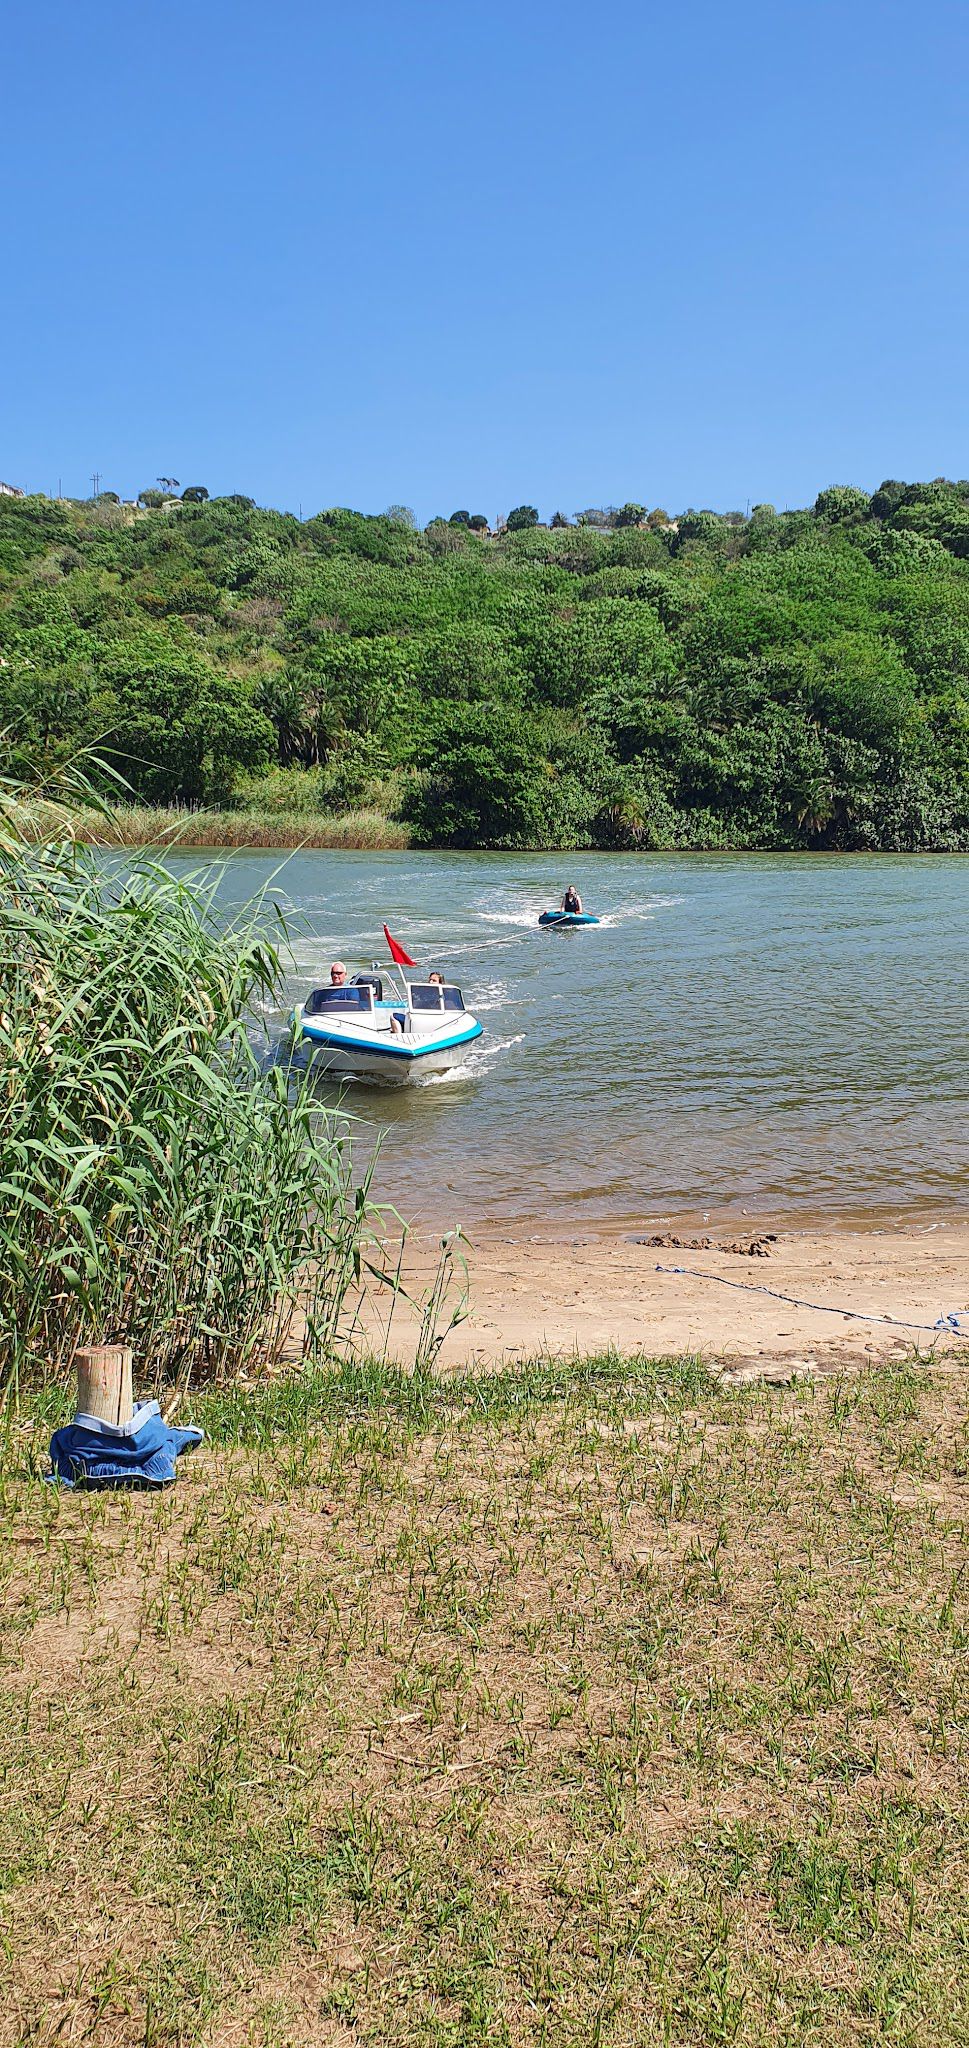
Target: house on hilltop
[11,491]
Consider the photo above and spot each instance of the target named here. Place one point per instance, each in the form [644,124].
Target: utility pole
[96,479]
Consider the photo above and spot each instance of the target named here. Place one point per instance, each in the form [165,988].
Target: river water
[778,1036]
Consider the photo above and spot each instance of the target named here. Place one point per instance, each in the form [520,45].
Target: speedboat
[565,920]
[423,1028]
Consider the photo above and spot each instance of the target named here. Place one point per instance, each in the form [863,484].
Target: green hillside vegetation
[784,680]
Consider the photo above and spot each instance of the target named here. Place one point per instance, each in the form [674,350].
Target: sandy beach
[530,1294]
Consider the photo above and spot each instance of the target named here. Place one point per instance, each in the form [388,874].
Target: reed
[159,1188]
[144,825]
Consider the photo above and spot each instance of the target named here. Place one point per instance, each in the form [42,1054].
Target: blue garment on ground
[140,1454]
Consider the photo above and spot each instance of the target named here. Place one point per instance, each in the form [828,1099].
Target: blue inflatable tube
[566,918]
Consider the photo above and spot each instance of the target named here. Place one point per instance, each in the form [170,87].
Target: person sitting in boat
[338,973]
[436,977]
[572,902]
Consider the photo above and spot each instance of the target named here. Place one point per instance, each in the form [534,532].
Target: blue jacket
[139,1454]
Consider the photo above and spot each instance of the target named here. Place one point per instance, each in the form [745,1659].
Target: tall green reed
[156,1186]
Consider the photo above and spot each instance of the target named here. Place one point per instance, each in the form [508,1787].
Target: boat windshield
[348,998]
[430,995]
[426,995]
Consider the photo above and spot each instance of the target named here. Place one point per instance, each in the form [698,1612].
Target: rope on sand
[949,1323]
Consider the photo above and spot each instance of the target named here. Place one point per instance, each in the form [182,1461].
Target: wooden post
[104,1382]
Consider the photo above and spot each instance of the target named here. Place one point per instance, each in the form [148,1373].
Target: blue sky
[476,255]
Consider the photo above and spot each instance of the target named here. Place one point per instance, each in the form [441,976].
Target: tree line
[621,679]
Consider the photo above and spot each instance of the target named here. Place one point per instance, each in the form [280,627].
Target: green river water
[778,1036]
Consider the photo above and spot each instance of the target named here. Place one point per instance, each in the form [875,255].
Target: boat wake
[523,919]
[473,1067]
[490,995]
[638,913]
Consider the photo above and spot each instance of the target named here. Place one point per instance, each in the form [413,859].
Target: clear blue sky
[475,254]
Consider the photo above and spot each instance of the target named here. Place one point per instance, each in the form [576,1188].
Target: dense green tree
[196,494]
[936,511]
[179,731]
[703,527]
[467,660]
[485,778]
[567,657]
[796,678]
[763,530]
[887,498]
[522,516]
[841,501]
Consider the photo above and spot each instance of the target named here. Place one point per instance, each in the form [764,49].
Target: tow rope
[949,1322]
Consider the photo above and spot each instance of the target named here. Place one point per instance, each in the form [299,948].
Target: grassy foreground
[590,1704]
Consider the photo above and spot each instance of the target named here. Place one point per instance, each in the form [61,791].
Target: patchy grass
[589,1704]
[143,825]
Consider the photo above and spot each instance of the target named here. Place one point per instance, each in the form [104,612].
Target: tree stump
[104,1382]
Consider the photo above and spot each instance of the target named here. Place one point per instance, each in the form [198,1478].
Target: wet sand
[531,1295]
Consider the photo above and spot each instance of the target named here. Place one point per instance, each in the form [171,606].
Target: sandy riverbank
[530,1295]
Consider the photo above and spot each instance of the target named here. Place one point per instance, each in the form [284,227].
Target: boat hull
[393,1062]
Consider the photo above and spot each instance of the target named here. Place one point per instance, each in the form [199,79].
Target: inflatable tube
[566,918]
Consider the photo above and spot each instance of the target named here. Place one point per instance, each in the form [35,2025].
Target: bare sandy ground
[529,1296]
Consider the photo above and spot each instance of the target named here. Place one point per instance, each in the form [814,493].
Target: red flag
[397,952]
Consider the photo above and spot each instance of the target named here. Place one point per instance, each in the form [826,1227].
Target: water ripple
[768,1032]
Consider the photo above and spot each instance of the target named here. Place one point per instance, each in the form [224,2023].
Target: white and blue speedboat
[358,1029]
